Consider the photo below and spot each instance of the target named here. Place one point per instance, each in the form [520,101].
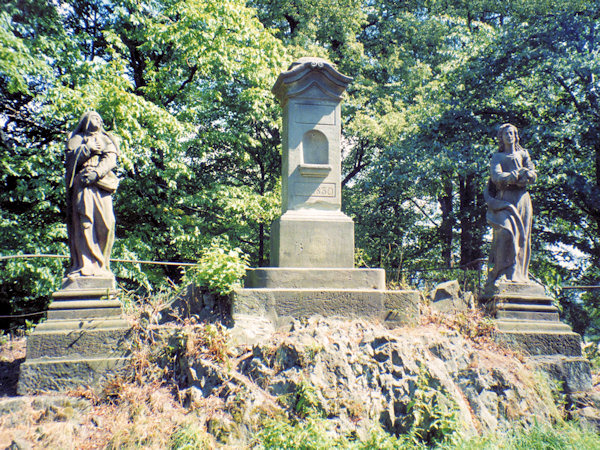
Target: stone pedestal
[528,322]
[82,343]
[312,240]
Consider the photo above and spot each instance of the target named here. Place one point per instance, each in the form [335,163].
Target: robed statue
[509,208]
[91,156]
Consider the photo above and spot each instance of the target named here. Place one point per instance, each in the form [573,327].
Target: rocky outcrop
[359,375]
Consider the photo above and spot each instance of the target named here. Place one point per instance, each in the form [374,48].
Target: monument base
[83,342]
[528,322]
[319,239]
[273,297]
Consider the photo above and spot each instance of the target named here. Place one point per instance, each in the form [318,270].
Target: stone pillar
[312,230]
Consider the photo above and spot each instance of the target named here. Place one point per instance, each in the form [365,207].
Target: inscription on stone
[314,114]
[315,189]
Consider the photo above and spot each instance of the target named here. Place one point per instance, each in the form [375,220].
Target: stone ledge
[82,324]
[533,343]
[278,307]
[323,278]
[62,343]
[61,374]
[509,325]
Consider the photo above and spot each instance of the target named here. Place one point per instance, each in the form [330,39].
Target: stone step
[540,343]
[502,289]
[528,316]
[514,298]
[81,324]
[308,278]
[541,326]
[83,309]
[525,307]
[60,374]
[88,341]
[85,294]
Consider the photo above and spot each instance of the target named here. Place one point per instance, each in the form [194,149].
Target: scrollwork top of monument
[306,72]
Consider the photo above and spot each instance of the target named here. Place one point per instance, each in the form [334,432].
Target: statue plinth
[82,343]
[528,321]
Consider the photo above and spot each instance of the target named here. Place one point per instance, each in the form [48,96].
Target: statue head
[89,122]
[507,133]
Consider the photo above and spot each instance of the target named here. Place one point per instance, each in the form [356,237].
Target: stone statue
[509,208]
[91,156]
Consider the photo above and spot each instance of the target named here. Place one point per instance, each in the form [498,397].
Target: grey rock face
[361,374]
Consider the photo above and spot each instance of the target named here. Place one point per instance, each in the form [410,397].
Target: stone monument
[311,193]
[82,341]
[525,315]
[312,243]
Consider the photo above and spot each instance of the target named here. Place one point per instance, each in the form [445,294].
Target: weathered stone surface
[86,342]
[83,309]
[535,343]
[312,240]
[302,303]
[446,297]
[401,307]
[314,278]
[446,290]
[251,329]
[281,306]
[60,374]
[363,375]
[502,289]
[573,372]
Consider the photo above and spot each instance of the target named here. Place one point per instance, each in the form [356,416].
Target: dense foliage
[185,85]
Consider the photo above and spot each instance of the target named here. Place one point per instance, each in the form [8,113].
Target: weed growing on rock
[431,415]
[307,400]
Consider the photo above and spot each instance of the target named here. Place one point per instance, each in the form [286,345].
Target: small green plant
[219,269]
[310,352]
[551,392]
[431,416]
[190,437]
[307,400]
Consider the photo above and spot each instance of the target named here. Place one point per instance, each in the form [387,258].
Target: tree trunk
[447,225]
[472,221]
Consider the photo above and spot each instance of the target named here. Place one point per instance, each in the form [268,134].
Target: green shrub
[219,269]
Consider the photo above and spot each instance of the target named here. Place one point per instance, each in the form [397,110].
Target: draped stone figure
[91,156]
[509,208]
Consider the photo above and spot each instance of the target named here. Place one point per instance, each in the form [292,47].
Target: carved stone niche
[312,230]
